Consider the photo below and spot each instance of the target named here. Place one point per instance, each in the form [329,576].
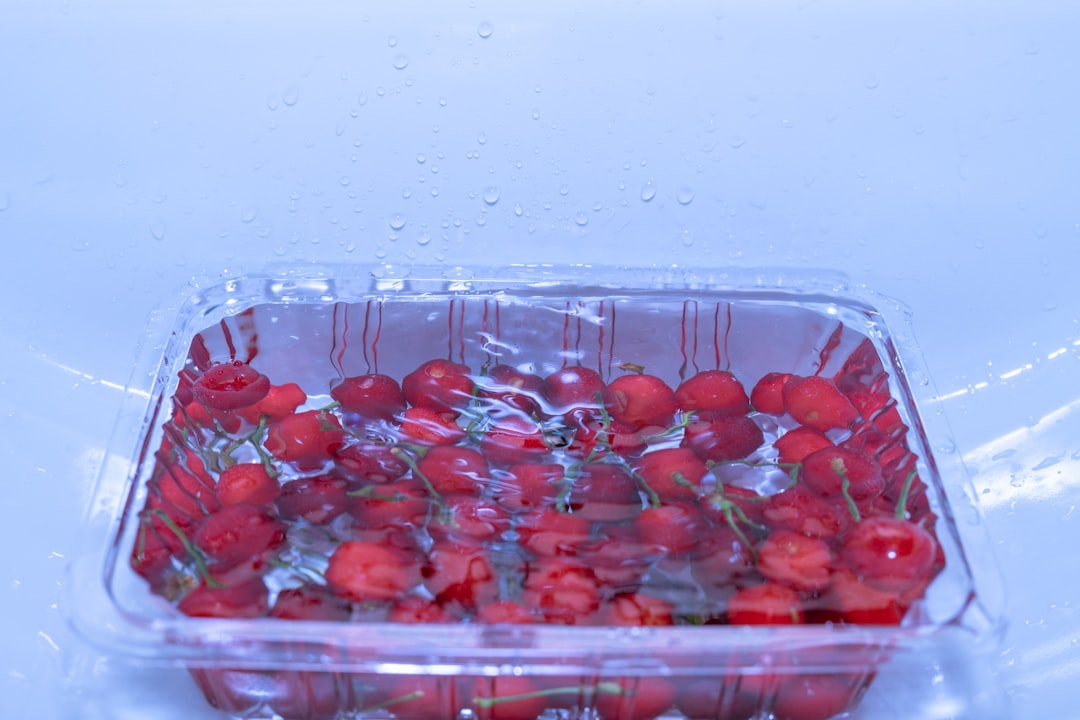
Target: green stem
[196,554]
[416,695]
[845,486]
[901,504]
[408,460]
[610,688]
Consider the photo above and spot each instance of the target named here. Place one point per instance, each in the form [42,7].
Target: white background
[929,150]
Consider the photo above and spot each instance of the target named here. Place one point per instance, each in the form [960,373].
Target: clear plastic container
[613,618]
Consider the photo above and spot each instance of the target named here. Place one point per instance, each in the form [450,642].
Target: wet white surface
[929,152]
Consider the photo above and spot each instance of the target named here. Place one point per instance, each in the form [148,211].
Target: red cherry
[675,527]
[766,604]
[636,609]
[639,698]
[731,504]
[372,397]
[714,390]
[829,470]
[370,463]
[619,559]
[402,503]
[310,602]
[455,470]
[815,401]
[723,439]
[508,697]
[564,591]
[572,387]
[890,554]
[672,473]
[237,533]
[439,385]
[551,532]
[640,401]
[230,385]
[469,519]
[460,574]
[280,402]
[506,612]
[604,493]
[815,696]
[722,561]
[427,427]
[178,487]
[803,511]
[308,439]
[797,443]
[529,486]
[317,500]
[510,390]
[797,561]
[514,440]
[248,599]
[850,600]
[247,483]
[364,572]
[768,394]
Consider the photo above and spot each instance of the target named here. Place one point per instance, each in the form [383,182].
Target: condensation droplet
[536,113]
[648,191]
[870,82]
[397,221]
[421,158]
[157,228]
[737,141]
[362,98]
[481,138]
[581,219]
[423,239]
[272,103]
[685,195]
[392,41]
[248,213]
[564,190]
[401,62]
[345,180]
[491,195]
[946,445]
[485,29]
[687,237]
[291,96]
[406,193]
[518,210]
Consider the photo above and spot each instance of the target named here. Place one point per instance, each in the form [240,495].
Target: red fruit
[551,532]
[317,500]
[179,488]
[529,486]
[619,560]
[469,519]
[803,511]
[310,602]
[427,427]
[722,561]
[766,604]
[247,483]
[417,609]
[230,385]
[401,503]
[512,440]
[732,505]
[151,557]
[815,401]
[238,533]
[510,390]
[637,610]
[506,612]
[672,473]
[564,591]
[247,599]
[638,698]
[797,561]
[768,394]
[797,443]
[714,390]
[850,600]
[508,697]
[455,470]
[716,698]
[307,439]
[723,439]
[365,572]
[604,493]
[890,554]
[640,401]
[439,385]
[197,417]
[830,470]
[592,437]
[572,387]
[371,463]
[676,527]
[460,574]
[280,402]
[372,397]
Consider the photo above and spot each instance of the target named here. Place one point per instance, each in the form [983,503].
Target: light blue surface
[929,151]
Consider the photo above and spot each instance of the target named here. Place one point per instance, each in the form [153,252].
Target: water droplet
[380,252]
[1040,231]
[648,191]
[482,220]
[421,158]
[345,180]
[423,239]
[291,95]
[685,195]
[491,195]
[485,29]
[536,113]
[870,82]
[442,103]
[406,193]
[392,41]
[1050,303]
[157,228]
[481,138]
[401,62]
[564,190]
[581,219]
[946,445]
[435,192]
[397,221]
[518,210]
[362,98]
[687,237]
[272,103]
[250,211]
[597,206]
